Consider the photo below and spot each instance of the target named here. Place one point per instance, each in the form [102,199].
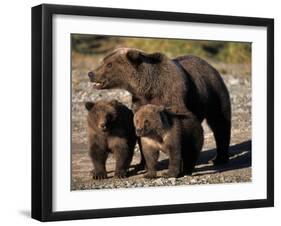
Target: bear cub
[179,135]
[110,129]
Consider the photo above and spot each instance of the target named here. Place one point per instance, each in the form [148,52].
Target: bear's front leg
[141,165]
[174,161]
[123,158]
[98,157]
[151,156]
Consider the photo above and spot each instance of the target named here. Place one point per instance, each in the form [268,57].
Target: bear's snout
[91,75]
[139,132]
[103,126]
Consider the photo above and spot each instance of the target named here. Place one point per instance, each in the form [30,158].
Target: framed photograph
[146,112]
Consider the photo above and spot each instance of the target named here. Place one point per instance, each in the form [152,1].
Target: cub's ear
[165,119]
[115,103]
[166,109]
[172,113]
[134,56]
[89,105]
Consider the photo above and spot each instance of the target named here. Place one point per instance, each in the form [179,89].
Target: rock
[158,181]
[172,180]
[193,181]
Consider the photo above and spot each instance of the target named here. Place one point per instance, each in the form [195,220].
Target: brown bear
[183,83]
[110,129]
[179,135]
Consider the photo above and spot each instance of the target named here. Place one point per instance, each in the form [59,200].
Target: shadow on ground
[240,157]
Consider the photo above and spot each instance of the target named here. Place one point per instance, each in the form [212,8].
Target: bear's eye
[109,65]
[146,122]
[109,117]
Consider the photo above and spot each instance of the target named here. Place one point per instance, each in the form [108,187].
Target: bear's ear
[172,113]
[166,109]
[137,57]
[164,117]
[156,57]
[115,103]
[89,105]
[134,56]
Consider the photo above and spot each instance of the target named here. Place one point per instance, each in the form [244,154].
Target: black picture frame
[42,111]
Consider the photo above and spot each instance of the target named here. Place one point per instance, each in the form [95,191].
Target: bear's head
[150,119]
[124,68]
[102,114]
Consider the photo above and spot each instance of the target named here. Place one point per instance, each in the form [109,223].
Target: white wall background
[15,119]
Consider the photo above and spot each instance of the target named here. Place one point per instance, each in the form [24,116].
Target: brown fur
[186,83]
[110,129]
[180,136]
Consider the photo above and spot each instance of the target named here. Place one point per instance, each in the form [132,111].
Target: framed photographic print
[147,112]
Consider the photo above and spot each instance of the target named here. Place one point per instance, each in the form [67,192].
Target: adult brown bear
[186,82]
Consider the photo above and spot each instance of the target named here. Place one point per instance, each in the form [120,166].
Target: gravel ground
[238,81]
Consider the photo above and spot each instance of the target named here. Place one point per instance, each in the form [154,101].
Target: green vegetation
[227,52]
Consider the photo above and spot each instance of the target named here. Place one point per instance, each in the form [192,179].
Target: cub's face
[148,119]
[123,66]
[101,115]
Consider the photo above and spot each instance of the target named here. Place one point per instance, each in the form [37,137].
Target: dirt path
[237,170]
